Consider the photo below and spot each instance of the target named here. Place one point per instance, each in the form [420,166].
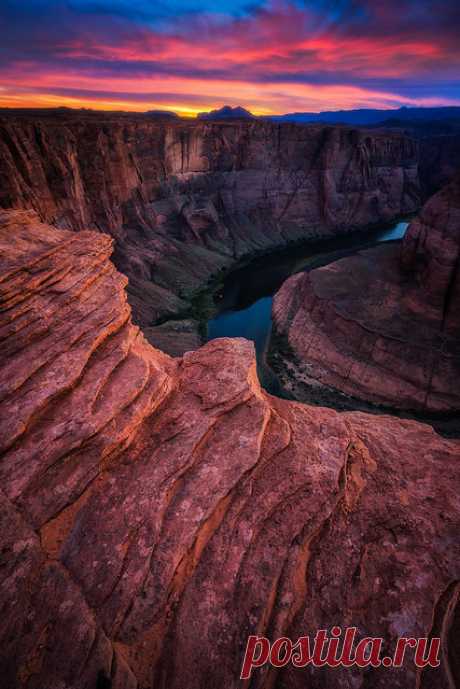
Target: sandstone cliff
[383,325]
[185,200]
[156,511]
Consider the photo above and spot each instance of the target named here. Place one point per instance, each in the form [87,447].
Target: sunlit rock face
[384,325]
[154,512]
[185,200]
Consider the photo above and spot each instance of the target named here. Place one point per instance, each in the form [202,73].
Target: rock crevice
[186,200]
[155,512]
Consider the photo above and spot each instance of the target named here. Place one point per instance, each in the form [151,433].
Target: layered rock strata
[157,511]
[185,200]
[384,325]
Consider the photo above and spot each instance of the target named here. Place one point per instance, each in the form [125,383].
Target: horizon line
[192,114]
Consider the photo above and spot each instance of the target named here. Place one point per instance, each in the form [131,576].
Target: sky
[270,56]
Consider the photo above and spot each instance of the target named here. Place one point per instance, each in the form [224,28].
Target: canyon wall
[383,325]
[184,201]
[154,512]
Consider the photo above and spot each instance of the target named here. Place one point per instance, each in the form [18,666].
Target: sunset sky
[271,56]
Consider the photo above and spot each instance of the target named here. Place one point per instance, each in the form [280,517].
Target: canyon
[383,325]
[186,201]
[155,511]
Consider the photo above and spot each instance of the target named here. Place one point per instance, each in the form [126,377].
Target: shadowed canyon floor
[156,511]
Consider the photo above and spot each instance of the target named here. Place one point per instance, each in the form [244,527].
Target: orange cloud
[277,59]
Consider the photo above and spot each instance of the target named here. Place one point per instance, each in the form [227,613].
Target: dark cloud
[389,48]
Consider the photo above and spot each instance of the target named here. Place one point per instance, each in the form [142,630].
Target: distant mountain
[361,117]
[168,114]
[369,116]
[227,113]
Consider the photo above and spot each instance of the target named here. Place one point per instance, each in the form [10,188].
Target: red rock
[185,199]
[431,251]
[155,512]
[383,325]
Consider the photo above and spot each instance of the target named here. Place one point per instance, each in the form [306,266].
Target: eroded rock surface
[384,325]
[186,200]
[156,511]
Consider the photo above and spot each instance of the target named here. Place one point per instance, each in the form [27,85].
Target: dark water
[245,301]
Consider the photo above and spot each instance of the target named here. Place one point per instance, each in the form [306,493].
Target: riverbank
[218,309]
[290,381]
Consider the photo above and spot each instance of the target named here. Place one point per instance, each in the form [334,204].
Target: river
[245,300]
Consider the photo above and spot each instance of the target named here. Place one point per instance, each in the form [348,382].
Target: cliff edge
[381,326]
[186,200]
[155,512]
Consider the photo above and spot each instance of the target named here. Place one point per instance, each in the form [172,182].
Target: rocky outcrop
[185,200]
[430,255]
[227,112]
[156,511]
[384,325]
